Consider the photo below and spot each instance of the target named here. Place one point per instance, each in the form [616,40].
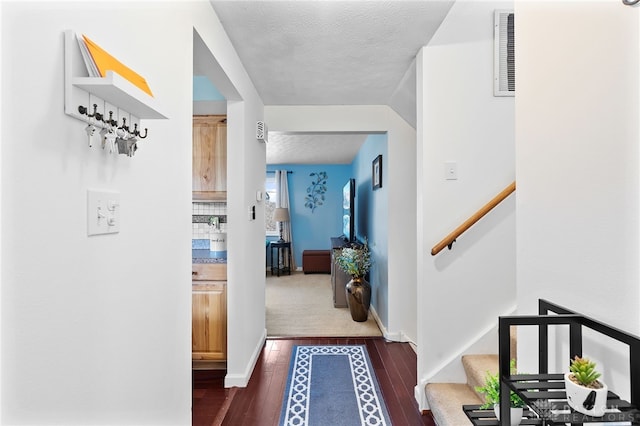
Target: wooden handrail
[451,238]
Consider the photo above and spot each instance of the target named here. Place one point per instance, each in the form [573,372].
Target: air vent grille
[261,131]
[505,65]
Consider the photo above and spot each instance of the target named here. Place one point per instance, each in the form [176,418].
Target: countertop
[207,256]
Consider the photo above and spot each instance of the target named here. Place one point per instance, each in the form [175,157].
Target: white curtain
[282,188]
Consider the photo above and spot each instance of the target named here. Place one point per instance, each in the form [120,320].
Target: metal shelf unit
[544,393]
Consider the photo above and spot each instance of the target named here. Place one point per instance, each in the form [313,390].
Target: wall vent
[504,71]
[262,131]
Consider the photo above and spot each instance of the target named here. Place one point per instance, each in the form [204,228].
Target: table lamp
[281,214]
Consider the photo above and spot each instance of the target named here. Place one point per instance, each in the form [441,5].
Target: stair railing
[451,238]
[539,388]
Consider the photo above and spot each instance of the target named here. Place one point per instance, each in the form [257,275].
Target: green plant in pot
[355,260]
[491,391]
[585,393]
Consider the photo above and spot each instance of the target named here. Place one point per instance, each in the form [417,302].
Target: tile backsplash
[201,211]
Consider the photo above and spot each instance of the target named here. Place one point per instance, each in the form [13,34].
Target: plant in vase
[491,391]
[585,393]
[356,261]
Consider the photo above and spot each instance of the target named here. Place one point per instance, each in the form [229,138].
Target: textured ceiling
[332,52]
[325,148]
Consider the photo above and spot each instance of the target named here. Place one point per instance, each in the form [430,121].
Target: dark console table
[339,278]
[544,393]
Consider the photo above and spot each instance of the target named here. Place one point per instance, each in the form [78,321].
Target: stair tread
[446,401]
[476,368]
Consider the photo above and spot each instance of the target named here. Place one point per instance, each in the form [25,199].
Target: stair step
[446,401]
[476,368]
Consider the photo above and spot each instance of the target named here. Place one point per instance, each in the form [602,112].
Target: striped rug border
[295,405]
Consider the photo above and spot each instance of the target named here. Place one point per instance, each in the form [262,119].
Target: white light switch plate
[103,212]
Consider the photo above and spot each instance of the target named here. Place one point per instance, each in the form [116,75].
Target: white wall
[246,328]
[1,215]
[97,330]
[577,166]
[461,292]
[399,172]
[246,167]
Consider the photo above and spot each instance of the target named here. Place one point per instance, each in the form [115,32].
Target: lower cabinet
[339,280]
[209,321]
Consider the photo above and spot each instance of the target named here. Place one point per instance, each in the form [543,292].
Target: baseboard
[394,337]
[421,397]
[241,380]
[451,370]
[376,318]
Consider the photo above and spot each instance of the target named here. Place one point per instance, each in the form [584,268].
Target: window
[270,205]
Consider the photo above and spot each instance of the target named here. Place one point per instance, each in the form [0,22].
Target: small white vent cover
[261,131]
[504,70]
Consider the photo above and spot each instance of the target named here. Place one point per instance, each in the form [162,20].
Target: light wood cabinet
[209,180]
[209,321]
[209,271]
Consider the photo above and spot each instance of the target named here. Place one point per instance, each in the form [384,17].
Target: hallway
[301,305]
[260,402]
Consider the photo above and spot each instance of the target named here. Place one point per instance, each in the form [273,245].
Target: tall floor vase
[358,292]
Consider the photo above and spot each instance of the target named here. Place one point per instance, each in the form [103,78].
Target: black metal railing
[547,387]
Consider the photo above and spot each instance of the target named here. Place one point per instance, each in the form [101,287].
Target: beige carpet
[301,305]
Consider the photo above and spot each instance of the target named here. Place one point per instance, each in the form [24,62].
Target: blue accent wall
[312,231]
[372,222]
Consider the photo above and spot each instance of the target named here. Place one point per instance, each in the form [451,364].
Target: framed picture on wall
[376,172]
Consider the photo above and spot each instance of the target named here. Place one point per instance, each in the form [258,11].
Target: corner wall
[461,292]
[577,168]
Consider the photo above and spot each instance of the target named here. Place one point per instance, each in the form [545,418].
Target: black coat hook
[111,121]
[95,111]
[124,124]
[137,132]
[83,110]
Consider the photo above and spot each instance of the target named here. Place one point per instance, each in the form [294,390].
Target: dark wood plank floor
[260,402]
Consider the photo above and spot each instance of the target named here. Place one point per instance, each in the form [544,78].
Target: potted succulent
[356,261]
[585,393]
[491,391]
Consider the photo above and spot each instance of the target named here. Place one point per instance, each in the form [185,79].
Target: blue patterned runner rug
[332,385]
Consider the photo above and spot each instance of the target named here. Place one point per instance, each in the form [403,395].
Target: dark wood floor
[260,402]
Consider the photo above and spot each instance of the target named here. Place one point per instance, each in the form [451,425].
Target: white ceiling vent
[504,70]
[261,131]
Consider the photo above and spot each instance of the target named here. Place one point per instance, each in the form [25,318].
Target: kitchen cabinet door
[209,321]
[209,179]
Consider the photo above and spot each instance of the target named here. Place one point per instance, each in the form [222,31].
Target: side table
[282,258]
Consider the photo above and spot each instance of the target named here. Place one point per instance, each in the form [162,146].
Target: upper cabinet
[210,157]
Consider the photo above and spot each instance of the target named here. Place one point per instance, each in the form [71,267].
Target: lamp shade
[281,214]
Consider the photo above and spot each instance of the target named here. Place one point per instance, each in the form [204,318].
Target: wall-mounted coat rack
[93,99]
